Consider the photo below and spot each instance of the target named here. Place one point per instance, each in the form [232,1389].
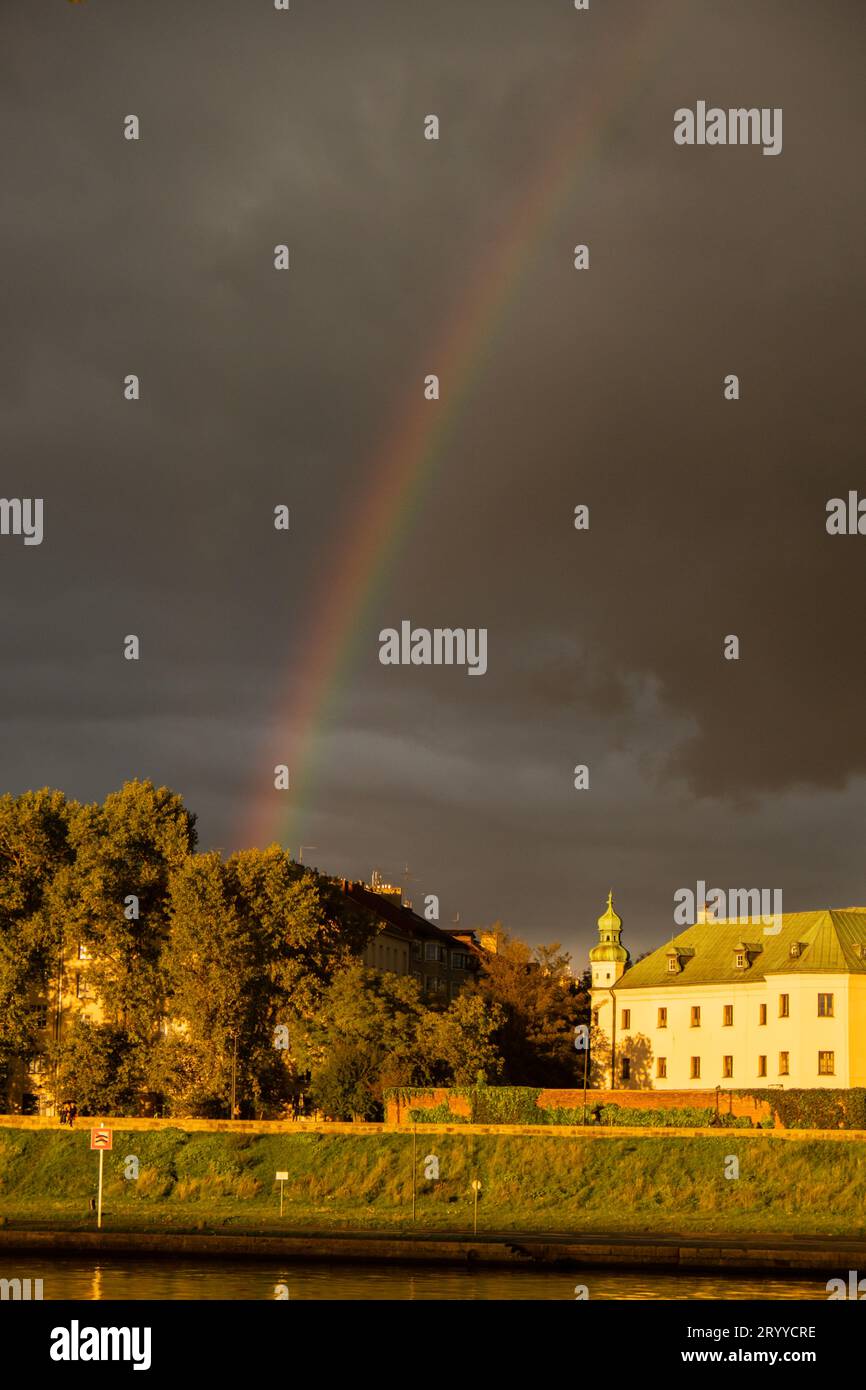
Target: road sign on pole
[476,1188]
[281,1178]
[100,1139]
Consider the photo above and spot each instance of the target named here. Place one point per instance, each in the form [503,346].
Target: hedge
[817,1108]
[814,1108]
[690,1117]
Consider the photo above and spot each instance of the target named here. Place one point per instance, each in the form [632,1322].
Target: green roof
[829,941]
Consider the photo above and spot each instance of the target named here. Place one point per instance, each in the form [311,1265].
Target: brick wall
[733,1102]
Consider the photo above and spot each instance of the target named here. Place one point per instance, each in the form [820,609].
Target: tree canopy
[213,976]
[540,1004]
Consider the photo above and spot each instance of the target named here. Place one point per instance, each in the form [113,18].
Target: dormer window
[794,950]
[673,964]
[743,953]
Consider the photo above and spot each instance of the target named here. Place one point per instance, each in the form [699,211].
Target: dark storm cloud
[707,517]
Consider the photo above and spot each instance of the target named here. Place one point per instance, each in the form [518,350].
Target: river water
[77,1277]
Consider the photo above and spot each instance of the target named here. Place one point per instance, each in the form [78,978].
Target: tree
[117,897]
[461,1042]
[540,1005]
[35,853]
[253,946]
[346,1084]
[378,1017]
[217,983]
[310,928]
[100,1068]
[382,1021]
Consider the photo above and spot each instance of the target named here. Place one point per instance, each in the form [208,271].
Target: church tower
[608,961]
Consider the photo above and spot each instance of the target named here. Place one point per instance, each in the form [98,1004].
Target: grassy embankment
[225,1183]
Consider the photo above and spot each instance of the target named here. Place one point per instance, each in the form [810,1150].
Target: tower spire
[609,951]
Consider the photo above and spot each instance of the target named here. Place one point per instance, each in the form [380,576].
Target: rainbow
[404,468]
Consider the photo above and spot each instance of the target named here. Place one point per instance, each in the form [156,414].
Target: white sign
[282,1177]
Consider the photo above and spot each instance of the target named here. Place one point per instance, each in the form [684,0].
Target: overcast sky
[602,387]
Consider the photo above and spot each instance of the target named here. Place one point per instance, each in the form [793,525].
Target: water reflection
[76,1278]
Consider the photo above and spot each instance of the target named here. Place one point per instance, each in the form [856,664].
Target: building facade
[734,1004]
[442,962]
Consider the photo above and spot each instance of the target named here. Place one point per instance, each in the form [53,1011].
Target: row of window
[826,1066]
[460,960]
[825,1010]
[434,984]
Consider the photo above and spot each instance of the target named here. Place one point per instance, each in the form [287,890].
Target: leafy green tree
[346,1084]
[376,1016]
[540,1005]
[116,900]
[461,1042]
[310,928]
[253,945]
[382,1021]
[100,1068]
[217,979]
[35,854]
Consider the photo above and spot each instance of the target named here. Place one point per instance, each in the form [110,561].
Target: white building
[731,1004]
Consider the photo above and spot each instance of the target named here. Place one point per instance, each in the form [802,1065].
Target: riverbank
[175,1183]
